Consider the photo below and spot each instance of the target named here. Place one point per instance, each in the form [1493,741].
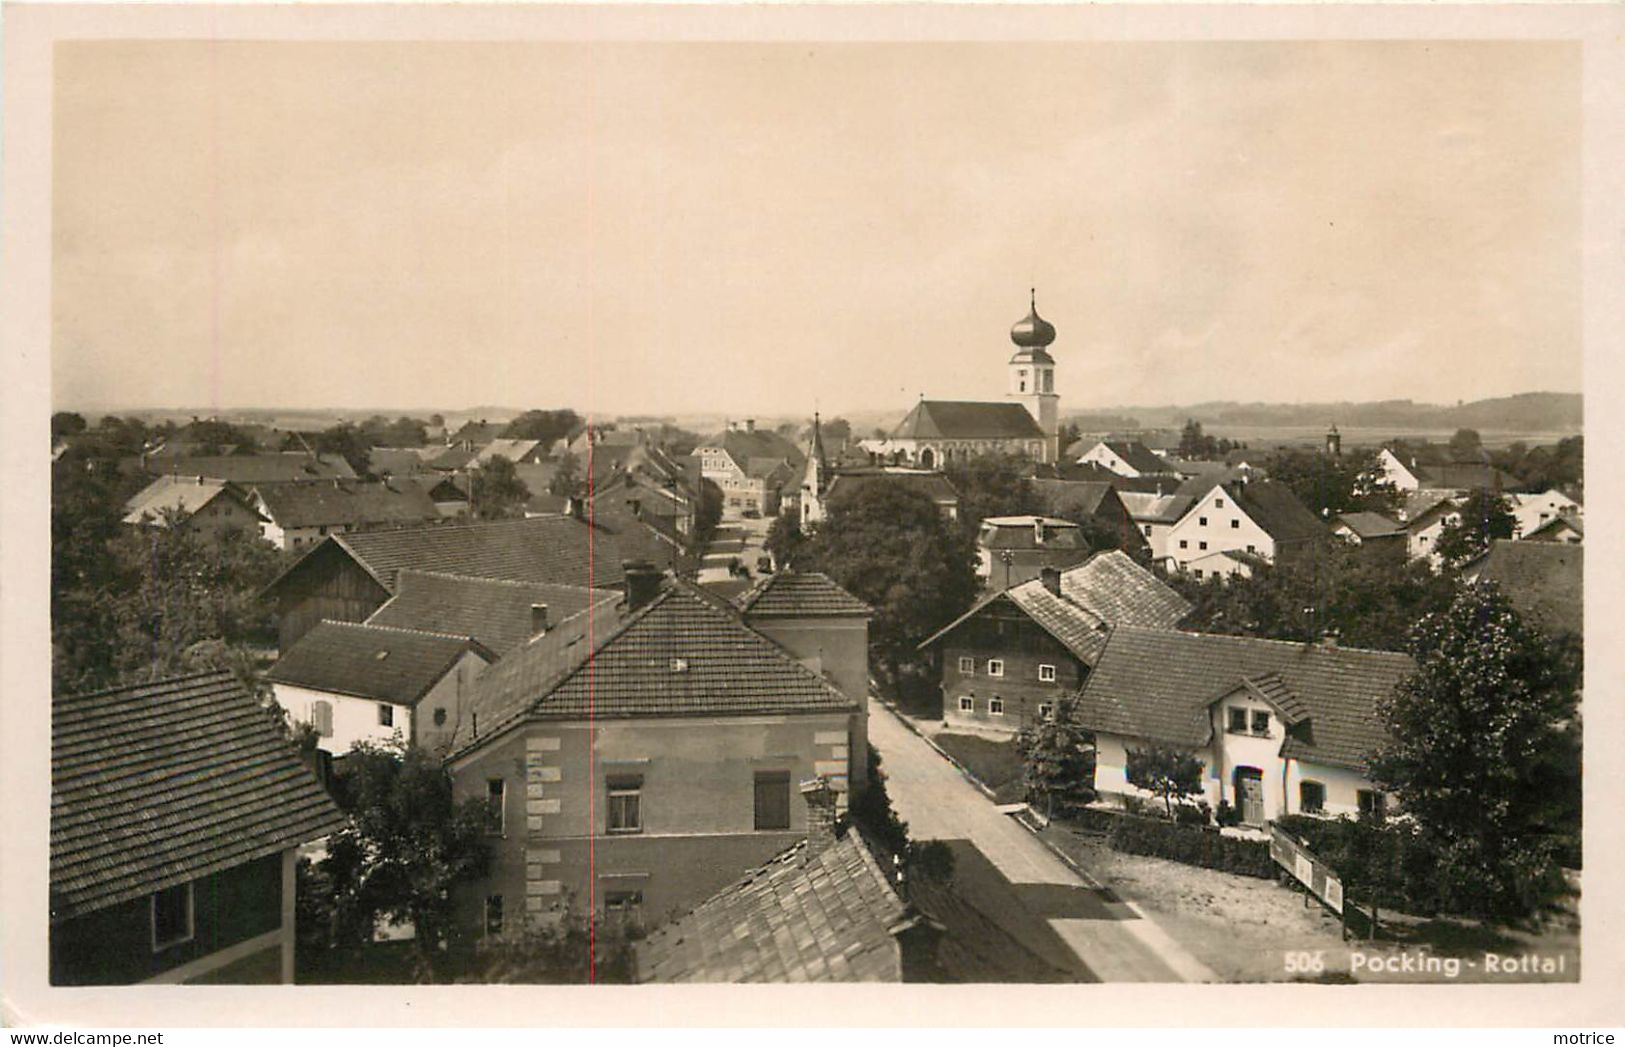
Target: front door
[1250,795]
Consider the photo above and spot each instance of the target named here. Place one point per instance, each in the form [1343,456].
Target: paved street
[1110,938]
[738,538]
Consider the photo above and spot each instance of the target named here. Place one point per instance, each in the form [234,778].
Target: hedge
[1192,845]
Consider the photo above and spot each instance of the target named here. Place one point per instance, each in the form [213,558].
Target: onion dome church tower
[1032,375]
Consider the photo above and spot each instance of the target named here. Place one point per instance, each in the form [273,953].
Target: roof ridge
[399,571]
[1263,639]
[397,628]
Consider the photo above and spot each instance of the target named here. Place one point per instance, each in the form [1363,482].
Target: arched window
[928,460]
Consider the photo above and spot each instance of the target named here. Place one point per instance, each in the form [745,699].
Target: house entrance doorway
[1250,795]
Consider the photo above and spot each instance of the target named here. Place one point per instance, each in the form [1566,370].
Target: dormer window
[1261,722]
[1238,721]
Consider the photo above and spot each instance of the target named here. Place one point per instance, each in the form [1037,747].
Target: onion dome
[1033,332]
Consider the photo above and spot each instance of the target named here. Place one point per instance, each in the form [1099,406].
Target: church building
[1027,423]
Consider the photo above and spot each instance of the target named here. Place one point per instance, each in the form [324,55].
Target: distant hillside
[1525,411]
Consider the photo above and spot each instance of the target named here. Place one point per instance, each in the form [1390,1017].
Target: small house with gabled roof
[357,682]
[1280,728]
[1263,518]
[177,807]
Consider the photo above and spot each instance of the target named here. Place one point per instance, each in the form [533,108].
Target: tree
[1069,434]
[836,432]
[1329,485]
[707,512]
[1484,516]
[546,426]
[1365,602]
[566,481]
[66,423]
[1472,733]
[1466,446]
[437,420]
[1058,760]
[890,546]
[784,539]
[495,491]
[407,847]
[992,485]
[1193,443]
[1166,772]
[348,442]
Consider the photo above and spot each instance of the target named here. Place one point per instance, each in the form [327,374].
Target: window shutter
[322,717]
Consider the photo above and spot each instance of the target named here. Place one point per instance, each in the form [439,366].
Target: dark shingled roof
[160,783]
[798,594]
[1021,532]
[251,470]
[1109,588]
[828,916]
[342,503]
[496,613]
[1082,496]
[1544,580]
[556,549]
[1277,510]
[685,653]
[964,420]
[1464,476]
[1139,456]
[743,445]
[1371,525]
[371,661]
[1157,684]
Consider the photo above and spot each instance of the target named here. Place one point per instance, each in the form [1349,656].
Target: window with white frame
[995,706]
[1046,711]
[1046,673]
[625,814]
[171,916]
[967,704]
[967,665]
[995,667]
[1311,797]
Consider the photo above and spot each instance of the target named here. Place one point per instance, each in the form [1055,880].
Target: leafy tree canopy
[546,426]
[1483,517]
[992,485]
[350,443]
[1329,485]
[495,490]
[890,546]
[1163,771]
[66,423]
[1475,736]
[1058,759]
[784,539]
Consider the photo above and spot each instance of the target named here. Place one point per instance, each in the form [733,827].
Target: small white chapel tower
[1032,376]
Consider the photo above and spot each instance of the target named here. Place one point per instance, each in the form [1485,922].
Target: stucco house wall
[1226,528]
[356,719]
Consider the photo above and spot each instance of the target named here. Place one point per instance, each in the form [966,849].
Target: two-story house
[204,507]
[752,466]
[1280,728]
[1263,518]
[177,807]
[1534,511]
[1008,661]
[1128,458]
[299,515]
[635,762]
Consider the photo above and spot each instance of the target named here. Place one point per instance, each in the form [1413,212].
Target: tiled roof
[1544,580]
[1109,588]
[182,494]
[557,549]
[1370,525]
[773,470]
[1273,507]
[1082,496]
[254,469]
[1021,532]
[828,916]
[744,444]
[1118,590]
[1463,476]
[1155,508]
[478,433]
[496,613]
[157,784]
[354,503]
[452,458]
[1157,684]
[396,461]
[685,653]
[512,450]
[935,485]
[1139,456]
[798,594]
[1419,505]
[371,661]
[964,420]
[1547,530]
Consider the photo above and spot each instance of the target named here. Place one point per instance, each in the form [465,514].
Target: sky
[670,228]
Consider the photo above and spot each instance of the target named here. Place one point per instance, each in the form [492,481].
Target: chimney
[642,583]
[538,619]
[1052,579]
[820,814]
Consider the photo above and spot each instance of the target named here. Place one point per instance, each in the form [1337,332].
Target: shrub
[1193,846]
[1227,816]
[1193,814]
